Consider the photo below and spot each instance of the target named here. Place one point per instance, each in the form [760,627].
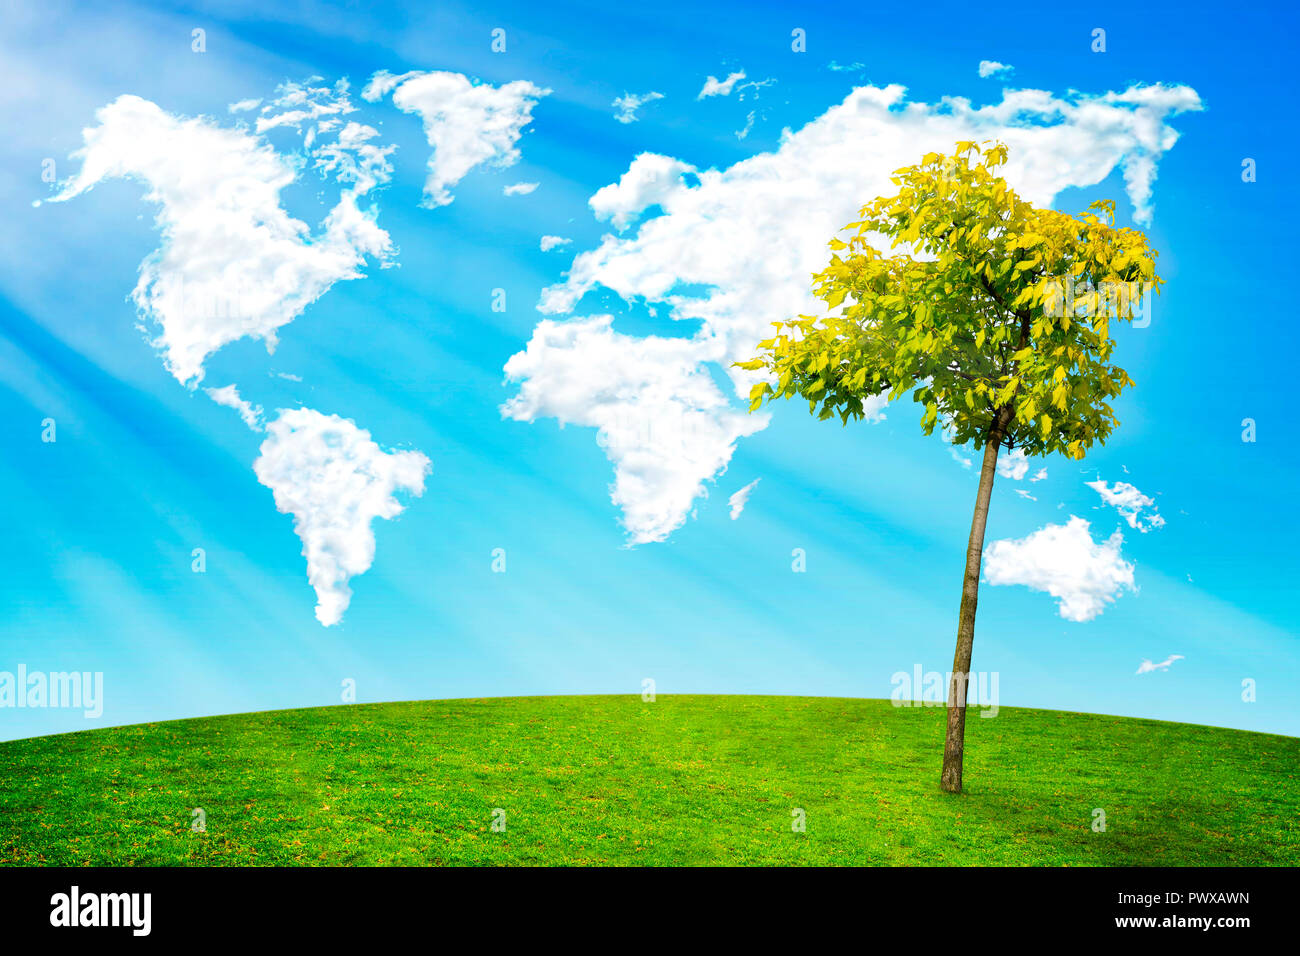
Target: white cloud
[1130,503]
[715,87]
[650,180]
[1039,475]
[467,124]
[520,189]
[1024,494]
[750,89]
[762,224]
[662,421]
[228,395]
[994,68]
[738,500]
[553,242]
[1014,466]
[352,158]
[231,263]
[1063,560]
[744,131]
[1146,667]
[948,432]
[244,106]
[629,103]
[335,481]
[298,103]
[734,249]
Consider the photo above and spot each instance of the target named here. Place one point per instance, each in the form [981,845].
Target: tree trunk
[954,743]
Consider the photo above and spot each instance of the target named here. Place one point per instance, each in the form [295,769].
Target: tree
[995,315]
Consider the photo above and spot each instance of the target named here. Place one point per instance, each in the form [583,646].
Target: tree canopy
[995,314]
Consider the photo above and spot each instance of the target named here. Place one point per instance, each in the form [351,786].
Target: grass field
[682,780]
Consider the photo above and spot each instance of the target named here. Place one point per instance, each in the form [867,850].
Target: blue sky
[101,524]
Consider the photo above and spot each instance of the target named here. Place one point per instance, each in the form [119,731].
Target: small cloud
[994,68]
[1014,466]
[520,189]
[468,123]
[553,242]
[850,68]
[949,434]
[289,376]
[1039,475]
[1082,574]
[1130,503]
[715,87]
[1146,667]
[739,499]
[629,103]
[245,105]
[749,125]
[228,396]
[751,88]
[1024,494]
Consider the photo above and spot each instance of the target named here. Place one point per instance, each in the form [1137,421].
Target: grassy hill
[613,780]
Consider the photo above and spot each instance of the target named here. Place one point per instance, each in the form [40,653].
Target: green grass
[683,780]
